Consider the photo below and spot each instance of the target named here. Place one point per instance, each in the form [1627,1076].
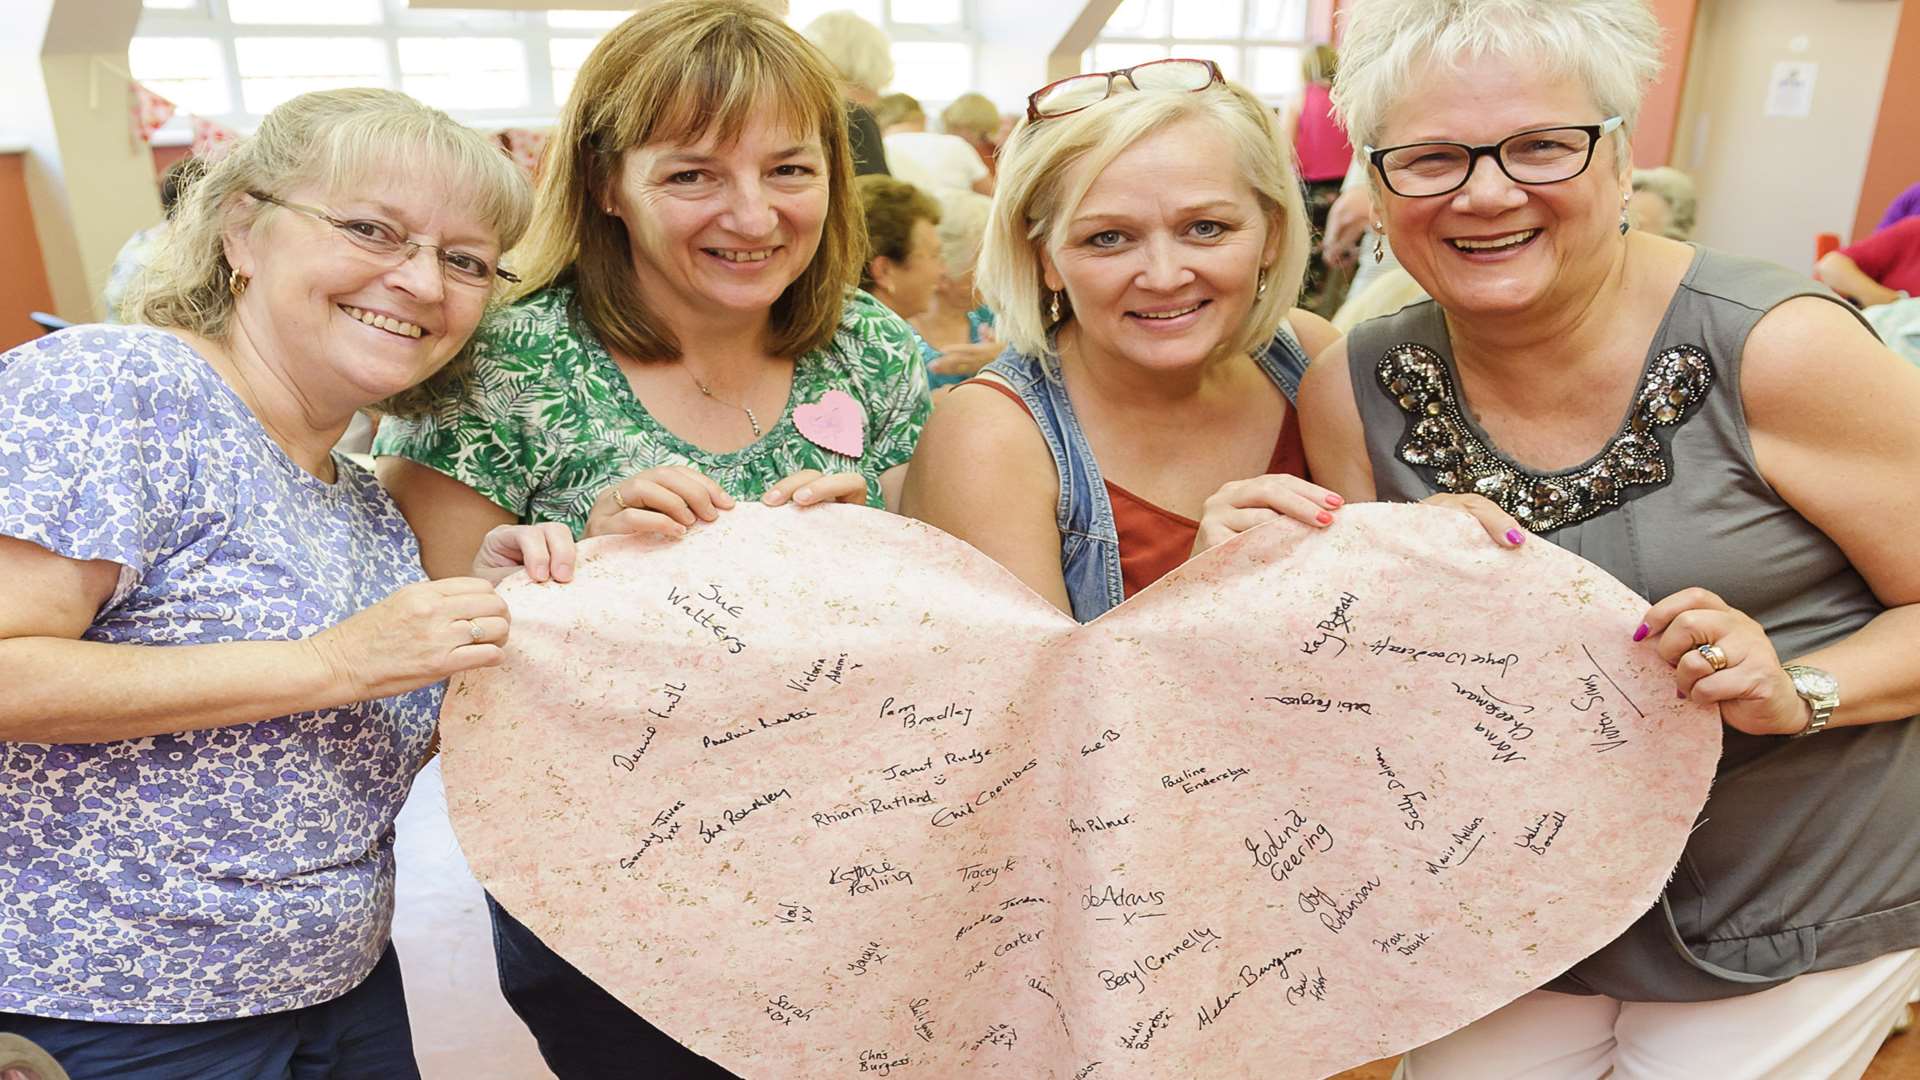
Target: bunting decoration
[211,140]
[149,111]
[525,146]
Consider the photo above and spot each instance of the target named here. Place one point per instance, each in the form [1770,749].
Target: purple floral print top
[210,874]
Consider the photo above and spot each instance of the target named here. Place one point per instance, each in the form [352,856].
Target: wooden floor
[1899,1059]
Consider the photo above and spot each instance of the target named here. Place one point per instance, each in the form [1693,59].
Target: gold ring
[620,500]
[1716,659]
[474,631]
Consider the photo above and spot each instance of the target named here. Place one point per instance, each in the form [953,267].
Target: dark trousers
[359,1035]
[584,1032]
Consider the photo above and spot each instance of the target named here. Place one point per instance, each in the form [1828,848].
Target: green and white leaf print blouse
[549,421]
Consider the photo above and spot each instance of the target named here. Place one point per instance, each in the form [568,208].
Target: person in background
[863,57]
[1904,205]
[1386,293]
[903,264]
[1720,434]
[222,665]
[139,249]
[899,112]
[975,118]
[1352,240]
[1143,256]
[903,267]
[958,325]
[1320,145]
[1663,203]
[1881,269]
[689,286]
[935,162]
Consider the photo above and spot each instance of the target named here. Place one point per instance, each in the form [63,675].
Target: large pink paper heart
[830,793]
[836,422]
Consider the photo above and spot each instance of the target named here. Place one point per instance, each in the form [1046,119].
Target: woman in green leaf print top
[687,291]
[687,335]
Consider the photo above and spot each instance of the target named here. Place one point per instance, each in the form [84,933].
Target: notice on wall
[1790,88]
[829,793]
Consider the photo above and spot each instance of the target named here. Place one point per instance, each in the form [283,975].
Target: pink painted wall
[23,273]
[1660,113]
[1893,164]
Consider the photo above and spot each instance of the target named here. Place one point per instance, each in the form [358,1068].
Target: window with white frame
[933,42]
[1258,43]
[231,61]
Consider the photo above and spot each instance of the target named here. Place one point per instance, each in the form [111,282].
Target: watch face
[1815,683]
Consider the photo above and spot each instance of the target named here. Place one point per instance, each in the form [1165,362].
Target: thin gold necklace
[752,420]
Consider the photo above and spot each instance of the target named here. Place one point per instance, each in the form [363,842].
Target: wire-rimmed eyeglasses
[1546,155]
[1076,92]
[379,239]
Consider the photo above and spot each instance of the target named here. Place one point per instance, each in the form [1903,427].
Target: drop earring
[1379,242]
[1260,283]
[1625,225]
[1053,307]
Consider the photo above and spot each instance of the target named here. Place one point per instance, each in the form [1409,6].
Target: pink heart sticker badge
[835,422]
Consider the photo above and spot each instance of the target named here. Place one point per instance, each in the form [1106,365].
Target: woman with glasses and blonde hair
[221,664]
[1145,290]
[1721,434]
[689,288]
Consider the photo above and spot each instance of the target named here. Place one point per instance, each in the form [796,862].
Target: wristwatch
[1820,690]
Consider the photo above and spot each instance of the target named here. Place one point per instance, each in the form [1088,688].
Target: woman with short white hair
[1721,434]
[1145,248]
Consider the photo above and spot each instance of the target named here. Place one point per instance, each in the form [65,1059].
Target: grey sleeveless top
[1807,855]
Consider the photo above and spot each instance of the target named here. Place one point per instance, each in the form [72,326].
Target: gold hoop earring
[1053,307]
[237,282]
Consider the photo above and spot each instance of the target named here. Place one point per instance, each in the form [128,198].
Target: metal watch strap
[1819,713]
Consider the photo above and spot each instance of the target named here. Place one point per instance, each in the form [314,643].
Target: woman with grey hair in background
[1721,434]
[221,661]
[957,326]
[1663,202]
[862,56]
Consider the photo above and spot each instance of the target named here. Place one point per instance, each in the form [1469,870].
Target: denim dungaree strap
[1089,541]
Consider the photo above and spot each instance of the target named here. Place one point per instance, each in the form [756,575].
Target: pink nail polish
[1515,538]
[1335,500]
[1324,518]
[1641,634]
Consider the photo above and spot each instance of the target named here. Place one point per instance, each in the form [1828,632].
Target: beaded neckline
[1444,447]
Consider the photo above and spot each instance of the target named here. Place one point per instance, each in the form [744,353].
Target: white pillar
[90,181]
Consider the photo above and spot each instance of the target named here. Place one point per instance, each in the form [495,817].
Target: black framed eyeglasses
[1076,92]
[1541,156]
[379,239]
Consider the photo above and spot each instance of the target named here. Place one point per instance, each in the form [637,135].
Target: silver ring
[474,631]
[1712,654]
